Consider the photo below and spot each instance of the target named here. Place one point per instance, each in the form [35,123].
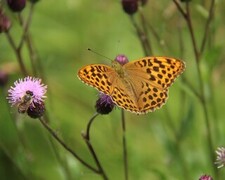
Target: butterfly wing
[106,80]
[138,97]
[160,72]
[150,78]
[144,86]
[99,76]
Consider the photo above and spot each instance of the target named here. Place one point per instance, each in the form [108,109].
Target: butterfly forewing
[98,76]
[158,71]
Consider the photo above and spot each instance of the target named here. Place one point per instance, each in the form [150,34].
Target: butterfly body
[138,86]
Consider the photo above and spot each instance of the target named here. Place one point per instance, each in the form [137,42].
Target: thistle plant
[105,149]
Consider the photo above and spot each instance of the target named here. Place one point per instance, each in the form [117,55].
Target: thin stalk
[189,23]
[61,142]
[25,26]
[146,40]
[33,56]
[125,161]
[202,93]
[86,137]
[100,169]
[180,8]
[211,12]
[141,36]
[18,54]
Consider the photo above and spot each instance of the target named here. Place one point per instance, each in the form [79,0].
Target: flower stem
[26,26]
[210,17]
[53,133]
[124,145]
[18,54]
[142,37]
[100,169]
[146,40]
[86,137]
[197,54]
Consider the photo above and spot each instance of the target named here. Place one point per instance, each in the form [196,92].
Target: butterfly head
[118,68]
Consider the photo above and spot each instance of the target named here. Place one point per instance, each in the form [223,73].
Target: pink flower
[28,95]
[122,59]
[27,84]
[220,160]
[205,177]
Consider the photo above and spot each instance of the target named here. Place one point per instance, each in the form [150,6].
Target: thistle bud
[36,110]
[16,5]
[3,78]
[5,23]
[104,104]
[130,6]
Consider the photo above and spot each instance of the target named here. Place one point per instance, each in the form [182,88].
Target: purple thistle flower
[220,160]
[28,93]
[104,104]
[27,84]
[205,177]
[122,59]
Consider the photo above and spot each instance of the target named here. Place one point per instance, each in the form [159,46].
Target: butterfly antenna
[89,49]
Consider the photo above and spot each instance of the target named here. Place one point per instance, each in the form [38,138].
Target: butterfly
[139,86]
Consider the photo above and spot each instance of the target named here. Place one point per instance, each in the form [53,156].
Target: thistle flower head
[16,5]
[130,6]
[220,160]
[37,110]
[205,177]
[104,104]
[122,59]
[27,93]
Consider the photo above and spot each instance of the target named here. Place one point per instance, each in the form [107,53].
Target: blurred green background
[169,143]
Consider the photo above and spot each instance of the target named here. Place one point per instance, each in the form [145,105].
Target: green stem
[86,137]
[124,145]
[210,17]
[53,133]
[141,35]
[18,54]
[26,26]
[202,97]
